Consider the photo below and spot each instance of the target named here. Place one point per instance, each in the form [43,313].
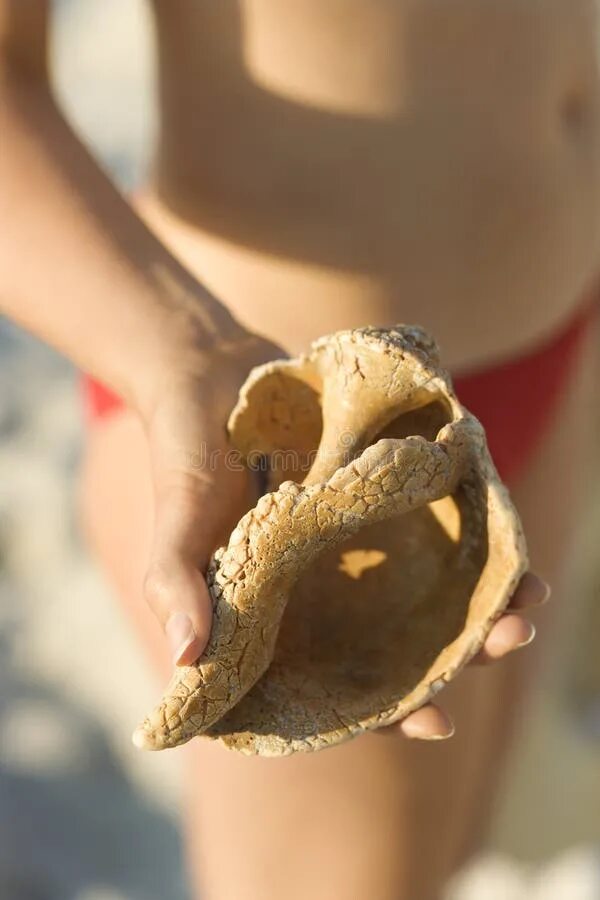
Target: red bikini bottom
[514,400]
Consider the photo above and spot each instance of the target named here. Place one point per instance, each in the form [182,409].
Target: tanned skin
[319,166]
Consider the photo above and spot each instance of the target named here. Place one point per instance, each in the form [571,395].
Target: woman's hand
[201,491]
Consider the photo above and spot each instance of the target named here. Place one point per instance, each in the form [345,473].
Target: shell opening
[331,662]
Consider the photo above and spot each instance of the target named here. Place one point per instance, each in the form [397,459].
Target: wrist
[182,351]
[197,346]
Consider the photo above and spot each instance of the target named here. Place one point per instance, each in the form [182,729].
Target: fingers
[512,631]
[198,500]
[175,587]
[531,591]
[429,723]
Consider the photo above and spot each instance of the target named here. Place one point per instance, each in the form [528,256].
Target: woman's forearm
[77,266]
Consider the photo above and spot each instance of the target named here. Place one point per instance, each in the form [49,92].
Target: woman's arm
[77,266]
[79,269]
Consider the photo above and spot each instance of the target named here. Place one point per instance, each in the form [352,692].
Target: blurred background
[83,816]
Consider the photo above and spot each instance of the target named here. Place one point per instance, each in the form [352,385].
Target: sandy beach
[83,815]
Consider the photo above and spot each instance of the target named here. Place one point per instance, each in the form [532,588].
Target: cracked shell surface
[373,569]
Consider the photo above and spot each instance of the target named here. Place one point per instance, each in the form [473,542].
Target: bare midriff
[324,165]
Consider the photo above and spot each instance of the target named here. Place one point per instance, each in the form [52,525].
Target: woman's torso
[325,165]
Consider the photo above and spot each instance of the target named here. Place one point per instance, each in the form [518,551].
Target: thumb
[175,587]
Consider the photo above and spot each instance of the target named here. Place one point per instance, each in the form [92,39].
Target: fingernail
[441,737]
[528,640]
[180,634]
[547,593]
[417,733]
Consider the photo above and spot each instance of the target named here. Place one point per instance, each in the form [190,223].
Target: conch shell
[373,569]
